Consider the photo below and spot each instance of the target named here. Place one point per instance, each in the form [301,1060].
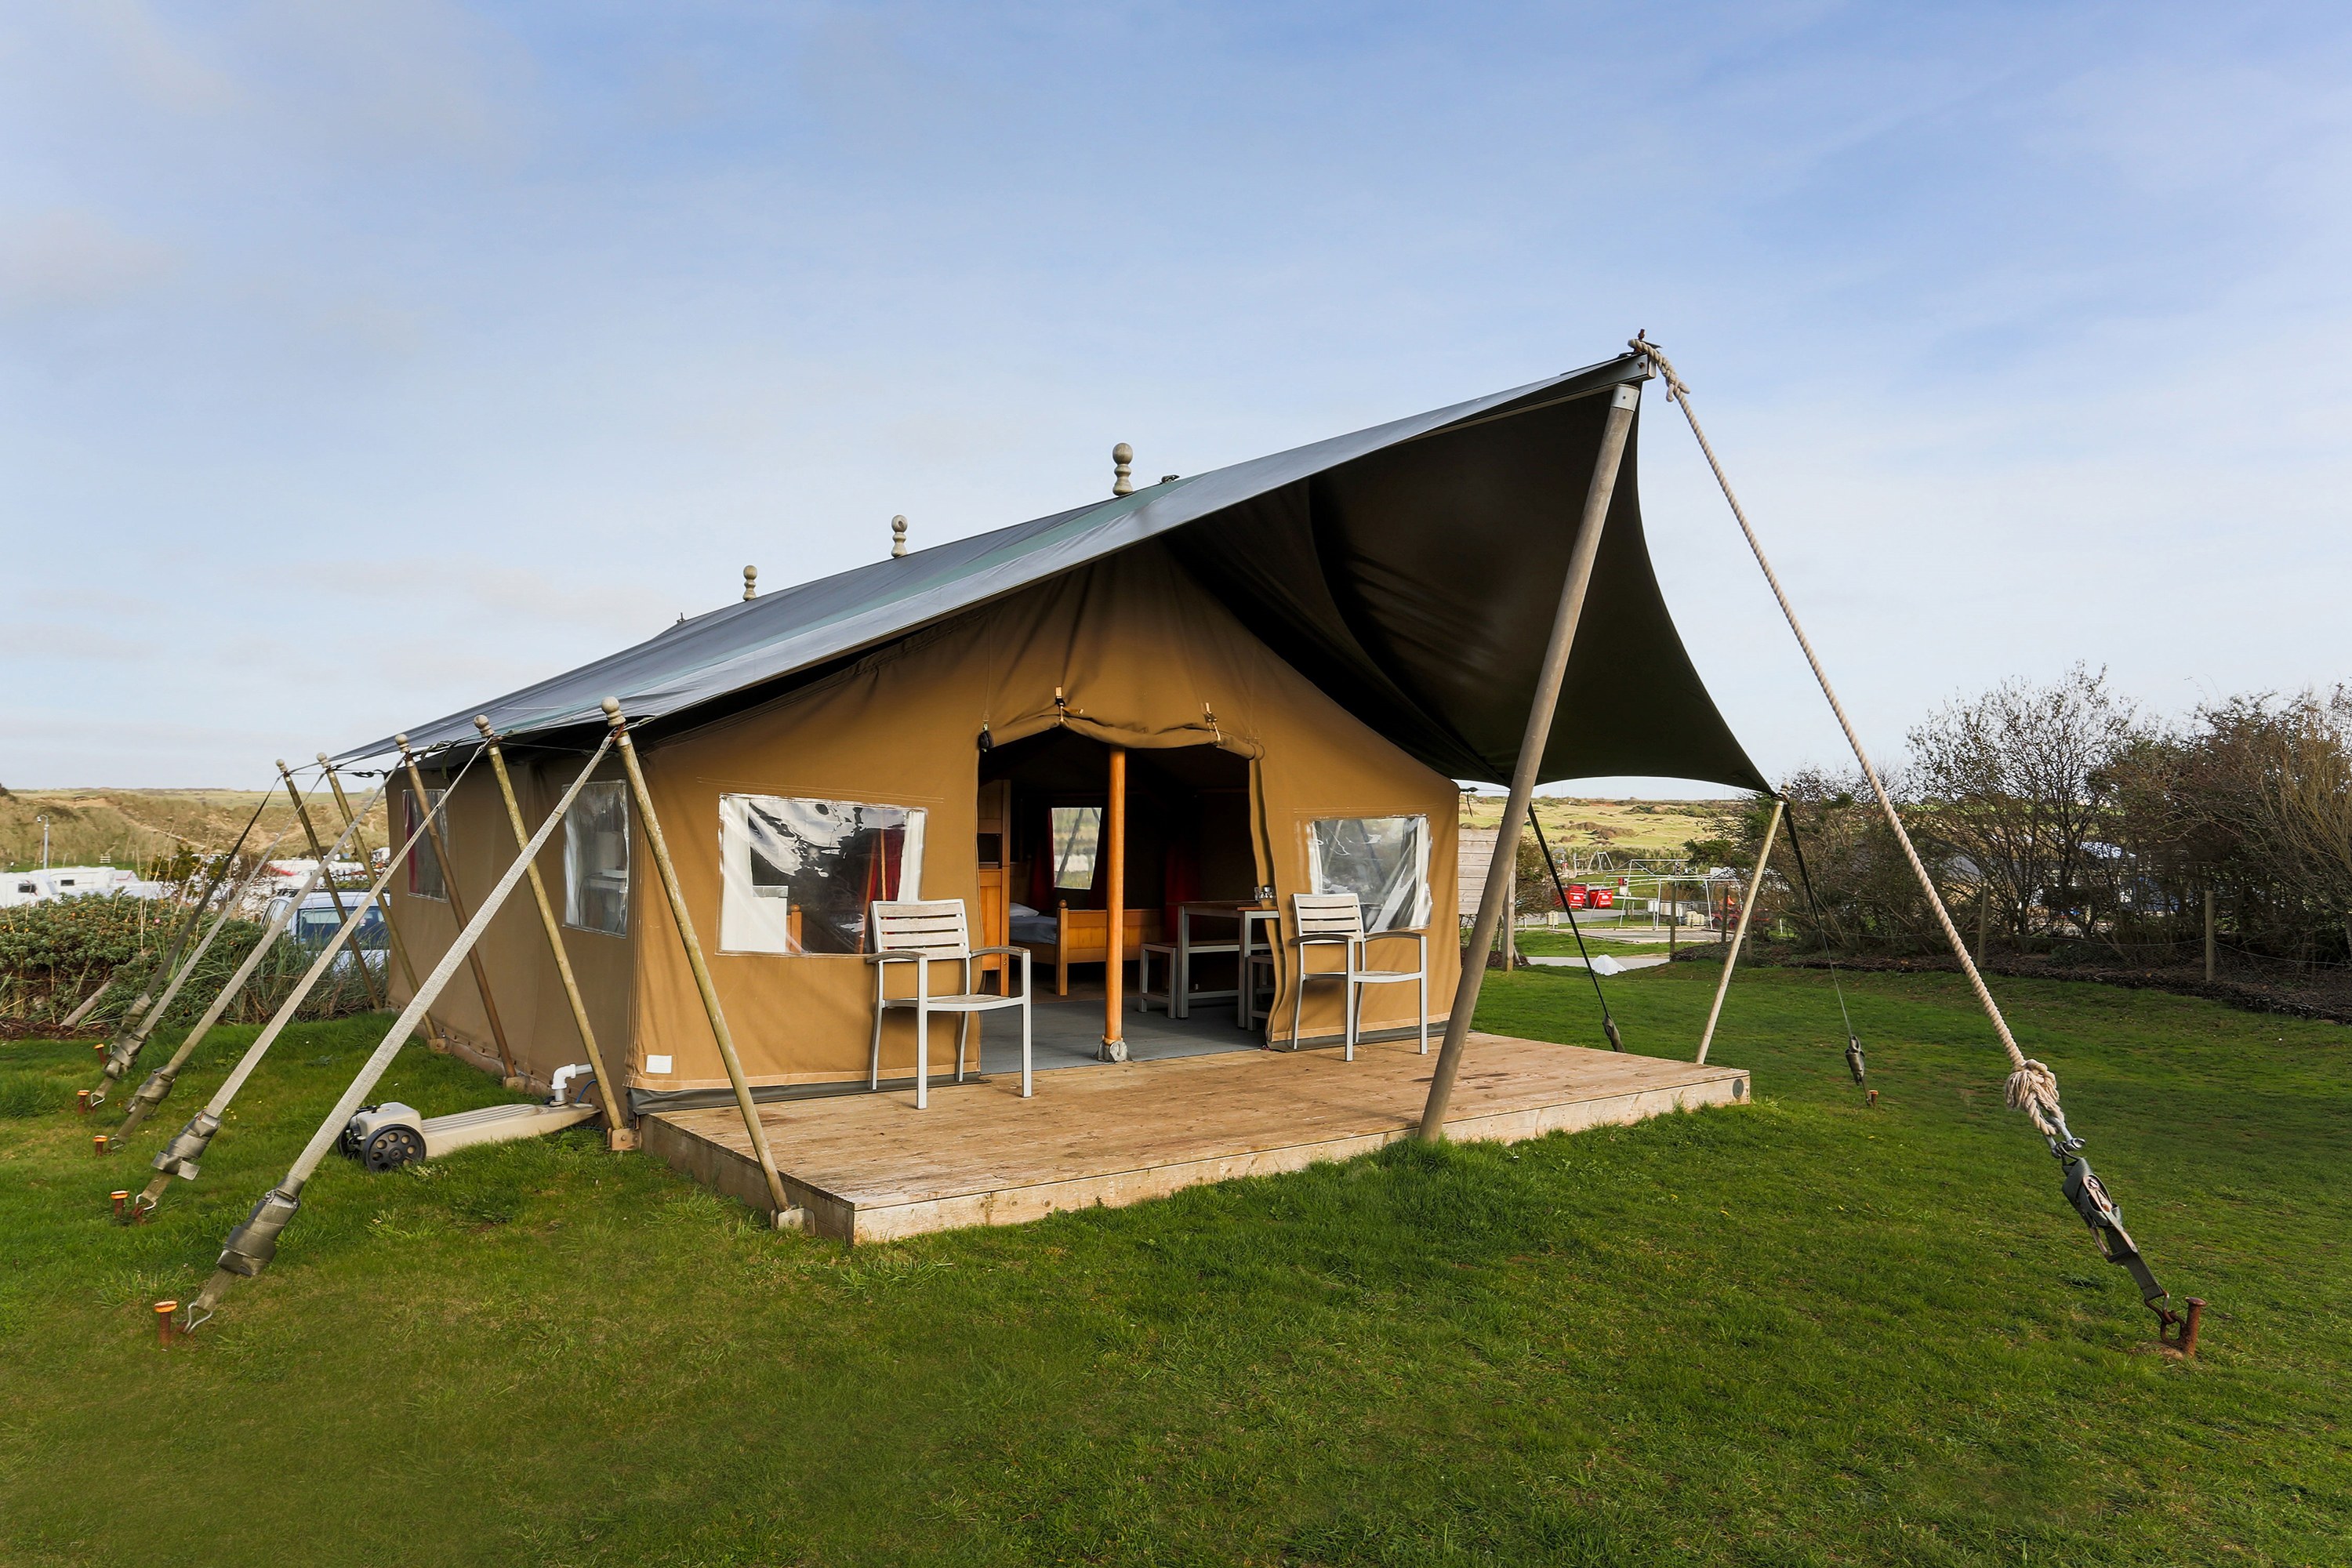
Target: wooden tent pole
[456,902]
[327,871]
[1114,1041]
[694,960]
[358,842]
[1549,678]
[249,1249]
[616,1117]
[145,1012]
[1746,908]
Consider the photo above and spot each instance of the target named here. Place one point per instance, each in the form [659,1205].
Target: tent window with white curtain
[798,874]
[596,859]
[424,865]
[1384,860]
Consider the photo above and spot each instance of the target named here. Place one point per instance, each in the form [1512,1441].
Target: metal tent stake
[250,1247]
[616,1116]
[1746,908]
[694,959]
[1622,400]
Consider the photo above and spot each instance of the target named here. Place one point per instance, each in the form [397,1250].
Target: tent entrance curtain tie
[2032,1087]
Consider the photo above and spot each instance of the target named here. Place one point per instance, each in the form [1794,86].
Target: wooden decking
[870,1167]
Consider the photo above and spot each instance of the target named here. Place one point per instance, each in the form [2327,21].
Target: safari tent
[1291,661]
[1244,695]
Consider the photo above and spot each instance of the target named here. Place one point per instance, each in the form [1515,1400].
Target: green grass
[1797,1332]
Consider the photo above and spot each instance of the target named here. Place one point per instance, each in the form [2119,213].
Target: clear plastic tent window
[1077,842]
[596,859]
[798,874]
[424,865]
[1384,860]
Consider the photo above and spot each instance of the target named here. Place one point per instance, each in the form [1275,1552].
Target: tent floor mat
[870,1167]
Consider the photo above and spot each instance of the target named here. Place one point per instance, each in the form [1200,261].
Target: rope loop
[2033,1088]
[1641,345]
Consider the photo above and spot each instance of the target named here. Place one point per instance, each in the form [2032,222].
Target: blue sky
[358,363]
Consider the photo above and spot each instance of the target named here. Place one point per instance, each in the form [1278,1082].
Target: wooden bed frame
[1084,937]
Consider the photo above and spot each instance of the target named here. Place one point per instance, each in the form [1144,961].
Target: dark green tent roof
[1411,571]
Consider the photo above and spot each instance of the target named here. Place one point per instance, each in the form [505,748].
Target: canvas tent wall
[1143,657]
[1364,614]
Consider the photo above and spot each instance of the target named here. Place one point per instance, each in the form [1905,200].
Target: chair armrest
[907,955]
[1008,951]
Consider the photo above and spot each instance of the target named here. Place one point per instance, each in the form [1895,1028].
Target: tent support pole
[1114,1040]
[1746,908]
[159,1083]
[149,1091]
[248,1250]
[1549,678]
[384,910]
[615,1117]
[334,894]
[139,1020]
[182,1156]
[694,959]
[456,903]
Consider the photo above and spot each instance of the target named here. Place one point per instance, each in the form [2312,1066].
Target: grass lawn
[1799,1331]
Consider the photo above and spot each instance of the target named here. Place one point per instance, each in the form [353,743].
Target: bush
[50,954]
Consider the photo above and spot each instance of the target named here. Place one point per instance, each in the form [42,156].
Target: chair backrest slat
[935,928]
[1328,914]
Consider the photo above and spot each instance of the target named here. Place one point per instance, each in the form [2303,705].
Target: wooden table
[1181,995]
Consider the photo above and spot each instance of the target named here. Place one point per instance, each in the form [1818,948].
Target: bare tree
[2305,819]
[2021,781]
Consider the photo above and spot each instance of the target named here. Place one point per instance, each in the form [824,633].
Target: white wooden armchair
[922,932]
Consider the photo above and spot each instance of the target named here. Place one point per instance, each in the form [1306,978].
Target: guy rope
[182,1156]
[140,1019]
[250,1247]
[2032,1087]
[159,1082]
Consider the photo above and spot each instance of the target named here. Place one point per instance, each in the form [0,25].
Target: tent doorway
[1074,833]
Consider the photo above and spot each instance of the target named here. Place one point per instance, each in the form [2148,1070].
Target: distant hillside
[1648,827]
[138,828]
